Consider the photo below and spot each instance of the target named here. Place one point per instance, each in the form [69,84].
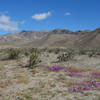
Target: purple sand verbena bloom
[75,89]
[56,68]
[95,83]
[97,74]
[75,74]
[86,88]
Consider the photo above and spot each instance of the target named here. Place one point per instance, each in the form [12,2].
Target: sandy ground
[19,83]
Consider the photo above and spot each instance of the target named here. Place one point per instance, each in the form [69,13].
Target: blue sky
[18,15]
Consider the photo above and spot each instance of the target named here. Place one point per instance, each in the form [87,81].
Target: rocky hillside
[54,38]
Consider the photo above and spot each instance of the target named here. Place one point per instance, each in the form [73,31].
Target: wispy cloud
[2,13]
[22,22]
[7,24]
[41,16]
[67,13]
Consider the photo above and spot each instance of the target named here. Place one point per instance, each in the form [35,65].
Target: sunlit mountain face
[53,38]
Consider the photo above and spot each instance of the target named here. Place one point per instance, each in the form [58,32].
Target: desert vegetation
[34,59]
[13,53]
[49,74]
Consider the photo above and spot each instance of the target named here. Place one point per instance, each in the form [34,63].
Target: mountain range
[52,38]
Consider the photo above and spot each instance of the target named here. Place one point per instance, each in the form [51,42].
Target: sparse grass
[35,90]
[1,68]
[50,84]
[22,79]
[5,83]
[34,71]
[77,69]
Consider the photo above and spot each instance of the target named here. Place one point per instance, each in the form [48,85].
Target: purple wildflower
[56,68]
[87,83]
[97,74]
[75,90]
[95,83]
[75,74]
[86,88]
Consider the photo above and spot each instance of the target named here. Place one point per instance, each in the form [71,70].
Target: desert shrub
[44,49]
[93,53]
[50,50]
[82,51]
[57,50]
[13,53]
[32,50]
[26,53]
[54,50]
[69,55]
[34,60]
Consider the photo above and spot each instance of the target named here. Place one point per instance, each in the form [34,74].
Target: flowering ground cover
[78,86]
[49,81]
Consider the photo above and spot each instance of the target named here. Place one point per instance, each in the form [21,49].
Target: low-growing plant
[32,50]
[50,50]
[85,85]
[82,51]
[57,50]
[44,49]
[26,53]
[13,53]
[56,68]
[93,53]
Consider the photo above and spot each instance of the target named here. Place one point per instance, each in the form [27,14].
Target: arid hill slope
[54,38]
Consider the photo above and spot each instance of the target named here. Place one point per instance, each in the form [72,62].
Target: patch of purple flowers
[74,89]
[56,68]
[86,86]
[96,74]
[75,74]
[95,83]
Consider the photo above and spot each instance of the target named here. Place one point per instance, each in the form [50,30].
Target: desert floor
[77,80]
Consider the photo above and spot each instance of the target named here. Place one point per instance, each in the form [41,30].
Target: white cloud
[41,16]
[7,24]
[68,13]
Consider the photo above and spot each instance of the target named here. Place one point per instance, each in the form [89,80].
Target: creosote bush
[13,53]
[34,60]
[93,53]
[36,50]
[82,51]
[57,50]
[26,53]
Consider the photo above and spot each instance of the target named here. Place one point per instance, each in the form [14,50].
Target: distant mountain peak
[57,37]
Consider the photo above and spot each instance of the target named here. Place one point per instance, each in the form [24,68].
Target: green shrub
[32,50]
[14,53]
[93,52]
[44,49]
[26,53]
[34,60]
[57,50]
[82,51]
[50,50]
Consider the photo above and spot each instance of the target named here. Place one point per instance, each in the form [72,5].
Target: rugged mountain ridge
[54,38]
